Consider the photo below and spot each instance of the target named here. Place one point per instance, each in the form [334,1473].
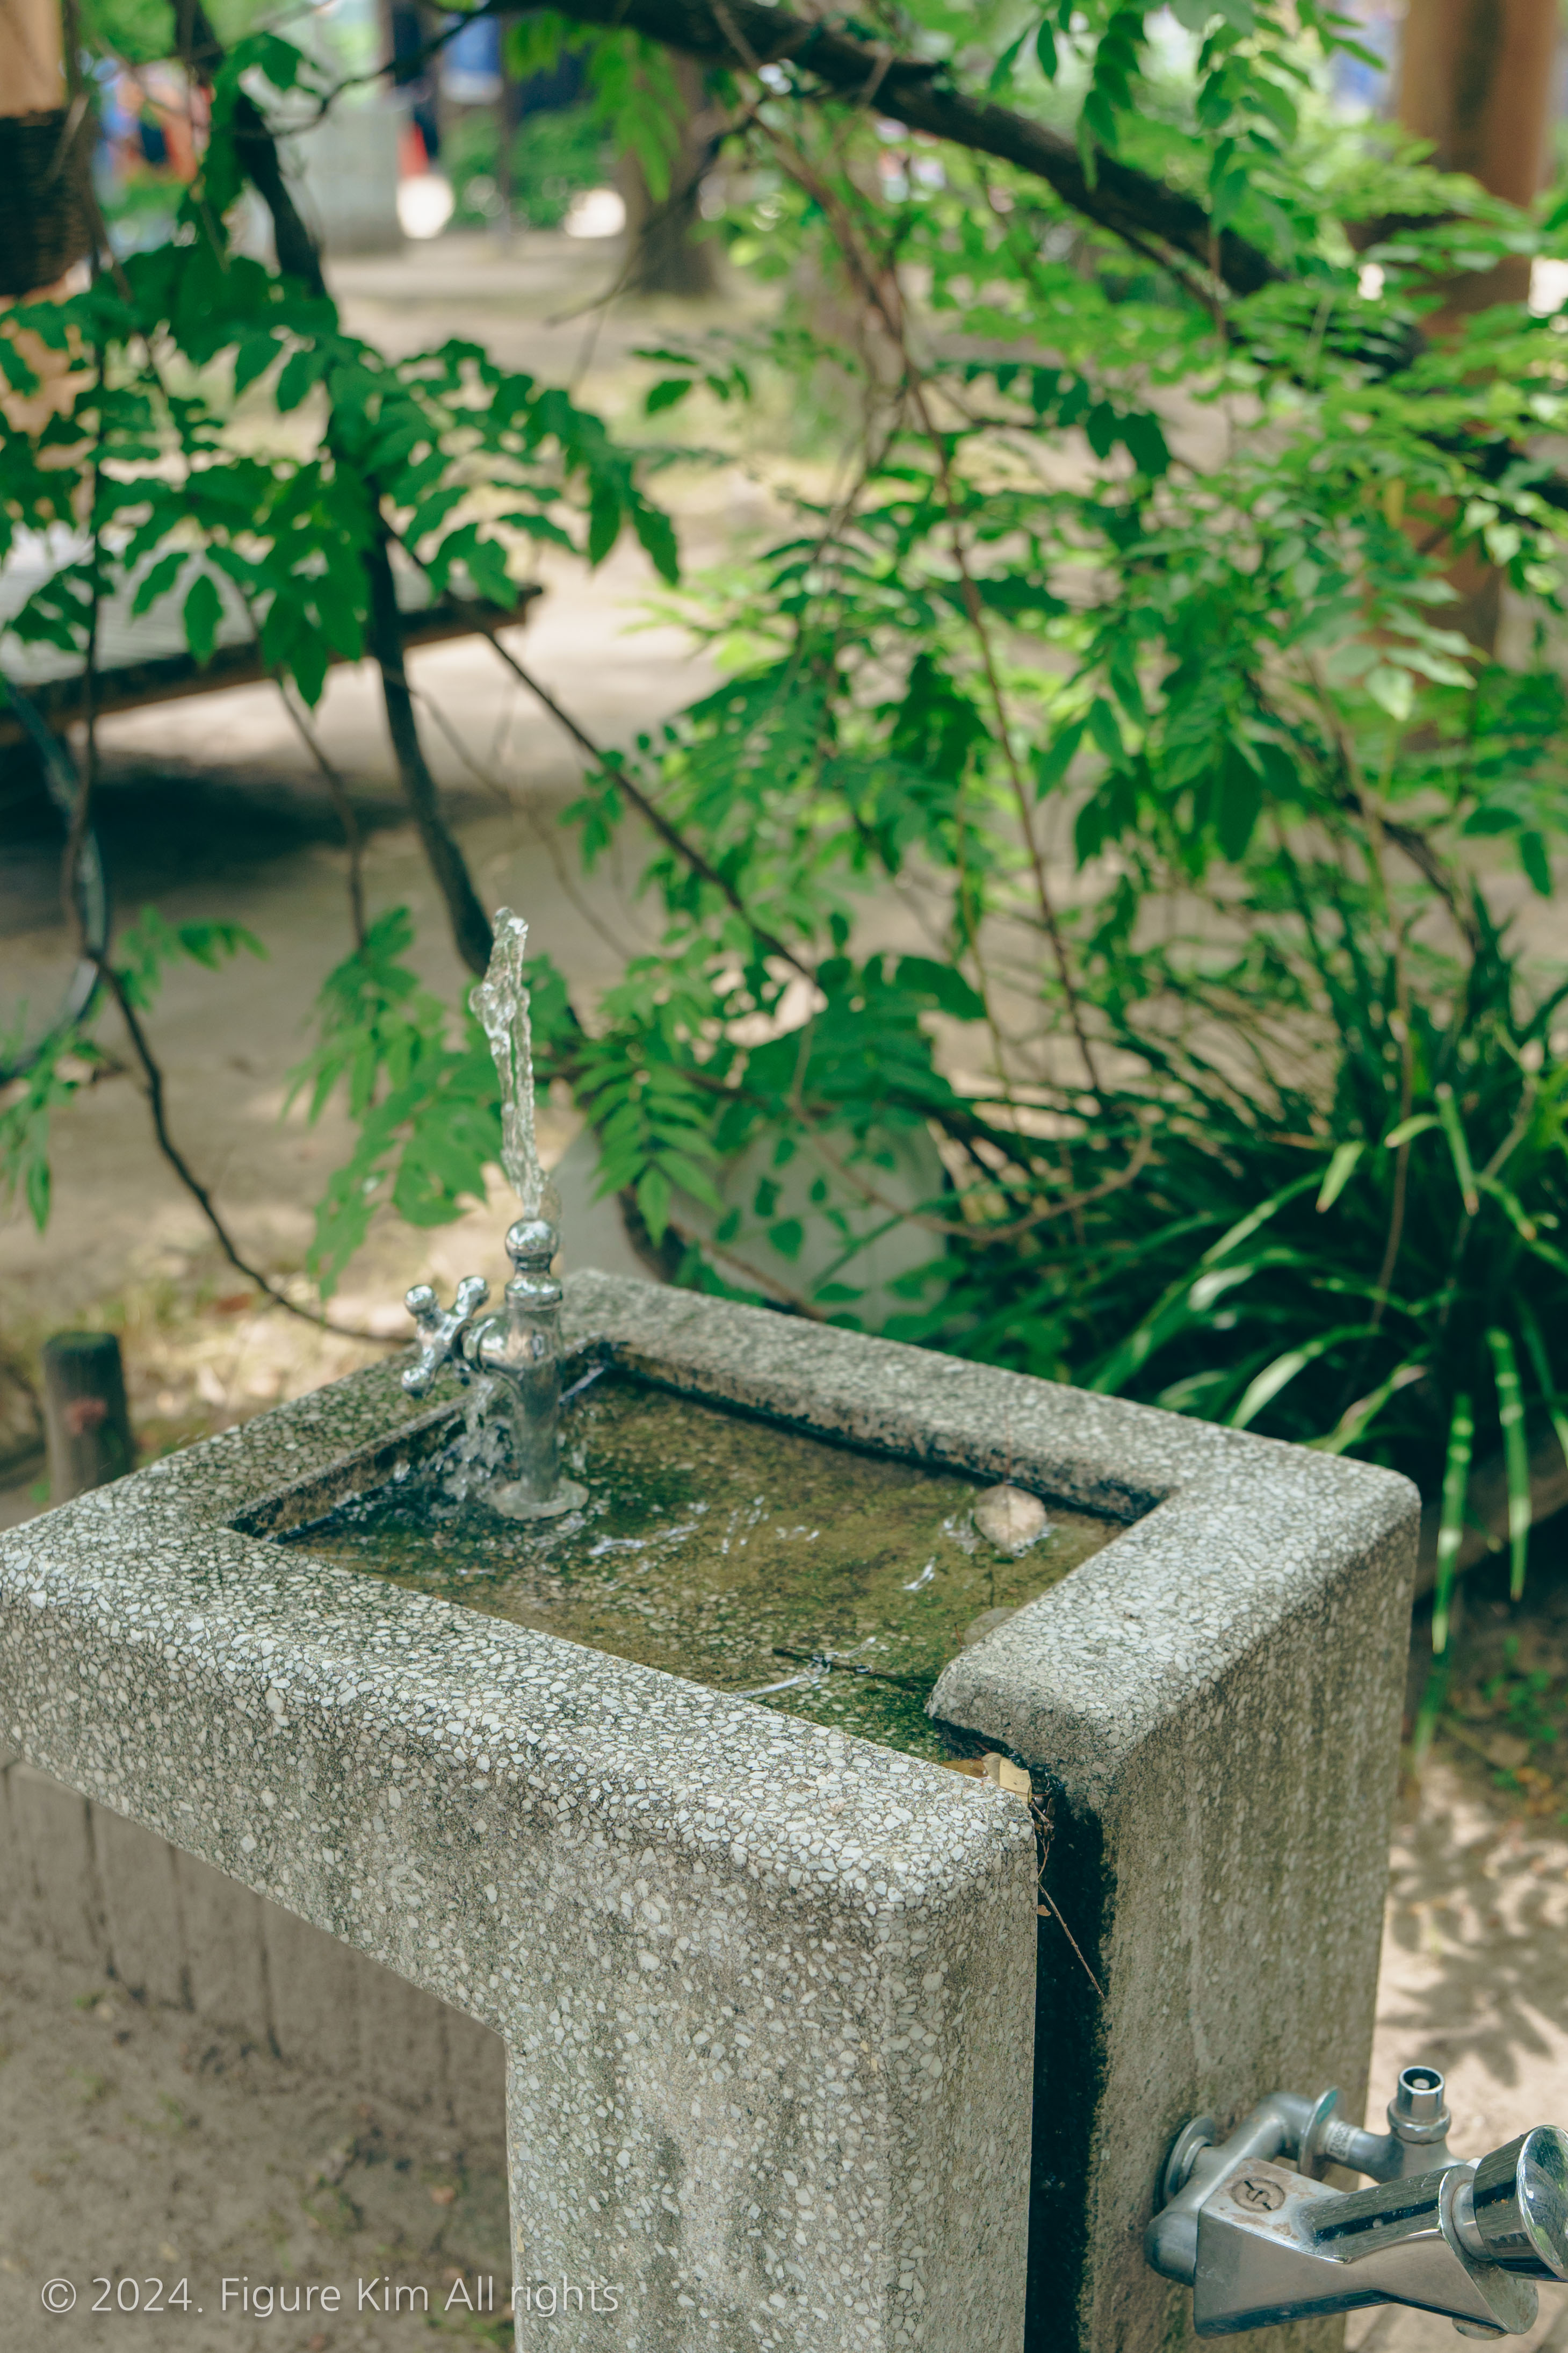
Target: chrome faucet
[517,1355]
[1261,2241]
[514,1359]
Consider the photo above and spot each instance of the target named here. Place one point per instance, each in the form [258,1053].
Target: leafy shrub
[554,156]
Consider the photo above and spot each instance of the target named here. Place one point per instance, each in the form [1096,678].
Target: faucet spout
[522,1350]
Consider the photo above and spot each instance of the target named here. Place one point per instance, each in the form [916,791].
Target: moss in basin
[730,1551]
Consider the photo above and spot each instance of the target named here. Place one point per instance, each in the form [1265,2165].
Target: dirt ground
[191,2156]
[142,2146]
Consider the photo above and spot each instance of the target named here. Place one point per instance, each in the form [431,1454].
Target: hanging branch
[153,1079]
[650,809]
[747,35]
[297,255]
[77,795]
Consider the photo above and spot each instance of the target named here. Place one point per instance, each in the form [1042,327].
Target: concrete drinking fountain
[598,1677]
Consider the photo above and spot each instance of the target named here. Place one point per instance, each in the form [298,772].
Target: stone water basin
[798,2061]
[729,1550]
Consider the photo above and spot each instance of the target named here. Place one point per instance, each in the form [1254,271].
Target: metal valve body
[519,1355]
[1264,2241]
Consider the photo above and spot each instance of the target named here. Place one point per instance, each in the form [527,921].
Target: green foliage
[1121,657]
[632,102]
[425,1103]
[553,158]
[1310,1178]
[73,1057]
[464,464]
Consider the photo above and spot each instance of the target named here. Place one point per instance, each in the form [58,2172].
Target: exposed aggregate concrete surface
[768,1991]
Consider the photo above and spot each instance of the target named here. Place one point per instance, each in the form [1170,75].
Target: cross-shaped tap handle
[441,1330]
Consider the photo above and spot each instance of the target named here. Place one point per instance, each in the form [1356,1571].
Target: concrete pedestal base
[782,2071]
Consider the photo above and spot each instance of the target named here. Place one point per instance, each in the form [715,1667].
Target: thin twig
[152,1078]
[796,163]
[338,792]
[515,803]
[610,768]
[1046,1907]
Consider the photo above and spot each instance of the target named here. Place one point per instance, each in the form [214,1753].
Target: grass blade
[1449,1113]
[1456,1482]
[1510,1413]
[1340,1170]
[1538,1358]
[1268,1383]
[1253,1219]
[1357,1419]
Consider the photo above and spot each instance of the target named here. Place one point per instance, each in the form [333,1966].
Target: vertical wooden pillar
[1476,78]
[43,155]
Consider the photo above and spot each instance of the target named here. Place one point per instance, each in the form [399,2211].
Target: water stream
[500,1004]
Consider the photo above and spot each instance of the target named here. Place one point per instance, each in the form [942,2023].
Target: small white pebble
[1009,1518]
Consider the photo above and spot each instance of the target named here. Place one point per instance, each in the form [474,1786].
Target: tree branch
[615,774]
[470,925]
[152,1081]
[745,35]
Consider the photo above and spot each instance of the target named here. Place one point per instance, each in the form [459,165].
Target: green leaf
[254,356]
[1052,764]
[1240,803]
[157,581]
[1267,1385]
[202,613]
[1451,1526]
[1340,1168]
[1516,1457]
[302,371]
[1536,860]
[653,1199]
[1393,689]
[1104,730]
[1459,1147]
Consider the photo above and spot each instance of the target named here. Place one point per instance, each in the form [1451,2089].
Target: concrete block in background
[403,2042]
[136,1873]
[313,1992]
[476,2082]
[225,1948]
[18,1889]
[52,1829]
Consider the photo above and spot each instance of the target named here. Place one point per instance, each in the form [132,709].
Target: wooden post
[1475,78]
[85,1420]
[43,154]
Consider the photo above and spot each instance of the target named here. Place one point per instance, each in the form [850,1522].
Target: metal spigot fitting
[1262,2241]
[519,1354]
[443,1331]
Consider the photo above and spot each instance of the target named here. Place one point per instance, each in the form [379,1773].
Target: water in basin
[730,1551]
